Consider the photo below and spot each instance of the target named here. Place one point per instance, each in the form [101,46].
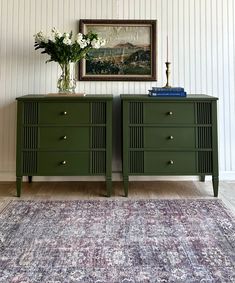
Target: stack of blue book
[167,91]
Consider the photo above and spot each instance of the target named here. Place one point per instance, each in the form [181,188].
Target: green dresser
[169,136]
[62,135]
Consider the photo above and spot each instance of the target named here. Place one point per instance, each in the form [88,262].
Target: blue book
[167,89]
[167,94]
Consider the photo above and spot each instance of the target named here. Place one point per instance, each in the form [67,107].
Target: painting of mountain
[124,58]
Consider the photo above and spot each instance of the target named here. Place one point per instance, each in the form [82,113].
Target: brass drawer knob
[65,113]
[64,137]
[171,162]
[171,137]
[63,162]
[170,113]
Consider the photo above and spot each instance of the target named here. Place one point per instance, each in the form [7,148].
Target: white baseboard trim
[116,176]
[227,176]
[7,176]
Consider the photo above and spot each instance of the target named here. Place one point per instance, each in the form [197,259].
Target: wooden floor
[137,190]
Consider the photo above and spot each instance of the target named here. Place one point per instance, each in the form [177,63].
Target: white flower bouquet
[64,49]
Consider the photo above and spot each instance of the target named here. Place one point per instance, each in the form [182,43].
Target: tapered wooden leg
[125,184]
[202,178]
[215,182]
[18,185]
[109,186]
[30,179]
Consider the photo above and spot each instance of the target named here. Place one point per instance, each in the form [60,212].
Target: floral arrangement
[64,49]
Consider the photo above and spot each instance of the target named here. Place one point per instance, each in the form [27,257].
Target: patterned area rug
[141,241]
[3,204]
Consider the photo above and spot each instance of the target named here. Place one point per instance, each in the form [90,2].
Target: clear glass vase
[67,82]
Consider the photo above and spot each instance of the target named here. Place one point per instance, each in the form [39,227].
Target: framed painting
[130,52]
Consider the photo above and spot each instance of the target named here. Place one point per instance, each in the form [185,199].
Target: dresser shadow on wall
[8,136]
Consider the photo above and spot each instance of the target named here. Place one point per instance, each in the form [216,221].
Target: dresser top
[145,97]
[61,97]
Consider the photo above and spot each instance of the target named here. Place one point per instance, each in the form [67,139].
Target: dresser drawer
[157,137]
[169,162]
[63,163]
[64,138]
[64,113]
[168,113]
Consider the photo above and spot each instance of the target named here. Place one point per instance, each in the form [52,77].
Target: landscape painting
[129,52]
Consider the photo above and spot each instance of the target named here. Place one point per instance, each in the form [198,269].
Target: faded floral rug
[129,241]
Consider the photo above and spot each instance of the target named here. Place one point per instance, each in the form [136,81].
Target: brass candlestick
[168,71]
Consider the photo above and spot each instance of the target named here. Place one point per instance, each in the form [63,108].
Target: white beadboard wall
[201,48]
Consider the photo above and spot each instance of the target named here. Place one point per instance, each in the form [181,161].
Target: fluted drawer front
[168,138]
[64,113]
[64,138]
[170,162]
[63,163]
[169,113]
